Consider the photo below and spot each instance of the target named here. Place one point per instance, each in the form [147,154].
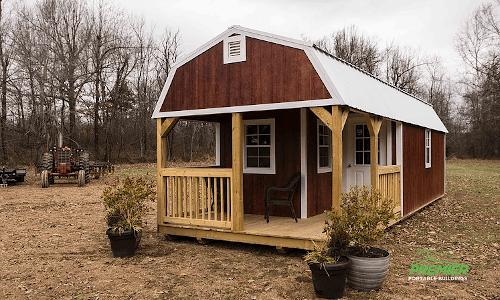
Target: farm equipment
[7,174]
[64,162]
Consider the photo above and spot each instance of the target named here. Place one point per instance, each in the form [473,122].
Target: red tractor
[63,162]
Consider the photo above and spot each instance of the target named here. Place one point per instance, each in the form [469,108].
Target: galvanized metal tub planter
[368,273]
[329,279]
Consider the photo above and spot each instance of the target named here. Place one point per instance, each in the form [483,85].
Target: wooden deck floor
[310,229]
[279,232]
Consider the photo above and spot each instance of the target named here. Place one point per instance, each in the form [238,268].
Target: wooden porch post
[237,212]
[373,123]
[339,117]
[163,127]
[336,122]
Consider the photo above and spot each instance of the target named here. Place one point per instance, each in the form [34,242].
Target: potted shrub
[369,215]
[328,262]
[126,202]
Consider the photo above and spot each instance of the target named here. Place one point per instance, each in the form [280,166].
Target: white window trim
[272,168]
[243,49]
[329,168]
[428,159]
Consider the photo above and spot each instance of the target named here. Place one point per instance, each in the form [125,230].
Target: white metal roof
[364,92]
[347,85]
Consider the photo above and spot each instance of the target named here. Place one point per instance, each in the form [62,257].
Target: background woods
[92,72]
[84,69]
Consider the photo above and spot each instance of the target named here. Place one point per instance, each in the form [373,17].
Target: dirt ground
[53,246]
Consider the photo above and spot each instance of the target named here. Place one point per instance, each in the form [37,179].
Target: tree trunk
[3,118]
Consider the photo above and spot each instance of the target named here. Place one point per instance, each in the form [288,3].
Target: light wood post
[163,127]
[336,122]
[237,209]
[373,123]
[337,127]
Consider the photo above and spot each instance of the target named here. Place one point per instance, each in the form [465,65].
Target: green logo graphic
[431,265]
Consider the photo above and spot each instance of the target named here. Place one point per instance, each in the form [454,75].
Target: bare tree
[478,43]
[67,26]
[354,47]
[106,39]
[4,61]
[403,68]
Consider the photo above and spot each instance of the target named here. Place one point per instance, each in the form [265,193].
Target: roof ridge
[369,74]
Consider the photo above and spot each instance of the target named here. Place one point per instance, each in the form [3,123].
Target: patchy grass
[465,224]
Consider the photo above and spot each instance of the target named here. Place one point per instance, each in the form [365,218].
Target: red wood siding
[272,73]
[421,185]
[319,186]
[287,149]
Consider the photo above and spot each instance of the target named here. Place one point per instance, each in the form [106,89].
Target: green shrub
[362,222]
[127,202]
[366,215]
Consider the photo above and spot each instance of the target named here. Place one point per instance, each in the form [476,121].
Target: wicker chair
[290,186]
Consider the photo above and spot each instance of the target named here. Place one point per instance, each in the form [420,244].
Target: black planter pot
[123,243]
[329,279]
[368,273]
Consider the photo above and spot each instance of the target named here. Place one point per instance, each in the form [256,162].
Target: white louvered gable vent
[234,49]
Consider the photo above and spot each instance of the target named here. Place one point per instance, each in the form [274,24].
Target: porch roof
[347,85]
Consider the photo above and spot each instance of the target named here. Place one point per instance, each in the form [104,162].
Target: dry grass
[53,246]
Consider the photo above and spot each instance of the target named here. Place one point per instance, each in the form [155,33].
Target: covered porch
[208,203]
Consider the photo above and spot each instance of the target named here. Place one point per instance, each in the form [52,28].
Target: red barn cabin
[283,106]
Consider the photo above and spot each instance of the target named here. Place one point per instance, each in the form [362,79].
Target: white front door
[356,152]
[359,168]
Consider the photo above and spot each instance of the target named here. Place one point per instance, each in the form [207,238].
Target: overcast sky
[429,25]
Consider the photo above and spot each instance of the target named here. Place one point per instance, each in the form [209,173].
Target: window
[427,148]
[362,145]
[234,49]
[324,148]
[258,154]
[363,155]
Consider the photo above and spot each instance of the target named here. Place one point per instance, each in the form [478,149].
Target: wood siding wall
[319,185]
[271,74]
[421,185]
[287,149]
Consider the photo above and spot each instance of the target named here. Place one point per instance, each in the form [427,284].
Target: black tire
[84,164]
[47,162]
[45,179]
[81,178]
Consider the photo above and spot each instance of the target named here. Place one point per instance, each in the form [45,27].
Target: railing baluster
[221,199]
[216,200]
[196,197]
[190,202]
[228,199]
[167,198]
[209,196]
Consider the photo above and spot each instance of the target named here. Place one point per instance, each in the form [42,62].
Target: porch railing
[389,184]
[197,196]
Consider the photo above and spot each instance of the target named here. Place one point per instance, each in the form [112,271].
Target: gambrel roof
[345,85]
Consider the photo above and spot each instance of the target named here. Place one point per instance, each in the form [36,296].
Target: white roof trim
[313,58]
[246,108]
[163,94]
